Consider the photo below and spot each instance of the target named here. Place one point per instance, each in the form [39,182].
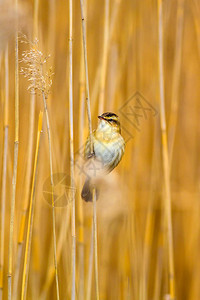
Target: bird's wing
[119,154]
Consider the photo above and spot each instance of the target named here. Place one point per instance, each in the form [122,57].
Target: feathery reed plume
[36,70]
[40,77]
[31,215]
[165,156]
[4,170]
[14,179]
[71,137]
[91,146]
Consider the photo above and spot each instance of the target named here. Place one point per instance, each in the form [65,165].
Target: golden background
[155,189]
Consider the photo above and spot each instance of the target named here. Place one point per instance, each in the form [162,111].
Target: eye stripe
[112,120]
[109,114]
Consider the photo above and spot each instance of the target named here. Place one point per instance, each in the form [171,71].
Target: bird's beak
[101,118]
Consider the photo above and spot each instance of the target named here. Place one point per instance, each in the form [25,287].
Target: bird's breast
[109,152]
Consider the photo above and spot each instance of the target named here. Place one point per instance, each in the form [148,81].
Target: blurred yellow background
[155,189]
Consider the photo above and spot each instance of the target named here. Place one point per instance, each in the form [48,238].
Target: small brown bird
[108,147]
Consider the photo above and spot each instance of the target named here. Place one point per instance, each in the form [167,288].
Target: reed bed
[141,238]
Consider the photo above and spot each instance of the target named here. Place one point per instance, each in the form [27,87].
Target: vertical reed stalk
[165,157]
[176,78]
[51,270]
[25,201]
[90,267]
[15,163]
[196,10]
[52,193]
[86,74]
[95,244]
[31,215]
[4,172]
[113,19]
[52,27]
[91,145]
[80,202]
[71,134]
[150,220]
[104,58]
[159,268]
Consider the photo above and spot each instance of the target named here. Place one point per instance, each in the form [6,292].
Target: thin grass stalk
[91,146]
[86,73]
[51,271]
[150,220]
[150,223]
[15,163]
[80,202]
[52,27]
[4,172]
[25,198]
[31,215]
[52,193]
[104,58]
[196,11]
[35,19]
[95,244]
[159,268]
[176,78]
[133,253]
[90,268]
[113,19]
[71,134]
[165,157]
[28,170]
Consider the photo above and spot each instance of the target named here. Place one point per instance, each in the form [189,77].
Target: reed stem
[165,157]
[71,134]
[52,194]
[25,200]
[4,171]
[31,215]
[15,163]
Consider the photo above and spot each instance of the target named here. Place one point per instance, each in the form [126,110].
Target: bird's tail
[87,191]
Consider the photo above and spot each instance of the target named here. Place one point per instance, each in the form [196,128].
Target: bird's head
[109,120]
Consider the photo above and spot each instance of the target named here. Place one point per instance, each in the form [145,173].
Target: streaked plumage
[108,147]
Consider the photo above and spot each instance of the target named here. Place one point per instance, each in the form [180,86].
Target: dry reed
[119,66]
[14,180]
[165,158]
[4,173]
[71,136]
[31,214]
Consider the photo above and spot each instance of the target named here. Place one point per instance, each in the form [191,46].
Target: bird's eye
[113,121]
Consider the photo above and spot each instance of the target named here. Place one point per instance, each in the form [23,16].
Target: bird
[108,148]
